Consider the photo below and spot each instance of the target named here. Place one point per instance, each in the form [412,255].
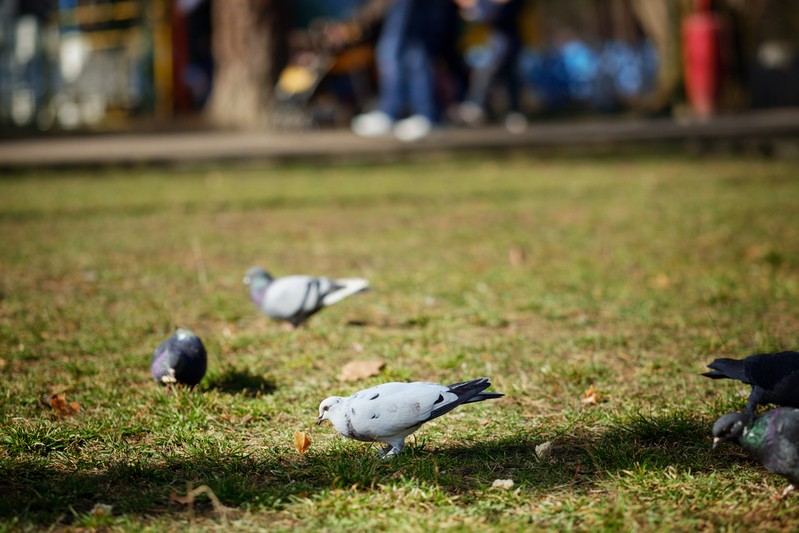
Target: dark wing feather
[769,370]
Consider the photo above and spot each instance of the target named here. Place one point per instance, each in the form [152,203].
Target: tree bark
[249,48]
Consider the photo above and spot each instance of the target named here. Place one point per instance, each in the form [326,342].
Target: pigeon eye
[325,408]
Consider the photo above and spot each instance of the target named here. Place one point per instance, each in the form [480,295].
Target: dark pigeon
[180,359]
[296,298]
[771,438]
[390,412]
[774,377]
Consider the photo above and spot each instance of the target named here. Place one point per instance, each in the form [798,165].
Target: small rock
[505,484]
[544,449]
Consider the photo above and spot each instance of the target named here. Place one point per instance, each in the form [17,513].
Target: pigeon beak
[319,420]
[716,441]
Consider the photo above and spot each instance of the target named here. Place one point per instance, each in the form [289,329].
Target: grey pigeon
[180,359]
[771,438]
[774,377]
[295,298]
[392,411]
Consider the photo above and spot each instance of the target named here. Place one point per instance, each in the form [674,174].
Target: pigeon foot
[389,451]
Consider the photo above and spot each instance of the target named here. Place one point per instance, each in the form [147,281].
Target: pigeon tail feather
[346,288]
[484,396]
[466,392]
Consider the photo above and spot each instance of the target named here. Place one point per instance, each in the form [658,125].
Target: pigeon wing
[779,451]
[289,296]
[392,408]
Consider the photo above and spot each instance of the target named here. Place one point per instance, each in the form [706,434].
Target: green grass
[550,276]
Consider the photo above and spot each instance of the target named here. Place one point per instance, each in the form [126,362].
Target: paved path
[340,145]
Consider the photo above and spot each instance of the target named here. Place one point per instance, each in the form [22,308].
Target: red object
[701,59]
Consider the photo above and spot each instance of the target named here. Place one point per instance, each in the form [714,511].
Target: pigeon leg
[394,447]
[755,398]
[382,452]
[392,452]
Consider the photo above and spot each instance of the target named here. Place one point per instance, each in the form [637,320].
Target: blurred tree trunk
[249,48]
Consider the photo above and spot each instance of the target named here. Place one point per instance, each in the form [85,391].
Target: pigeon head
[326,406]
[729,427]
[183,334]
[256,275]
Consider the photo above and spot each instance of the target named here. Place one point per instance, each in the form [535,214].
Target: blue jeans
[405,54]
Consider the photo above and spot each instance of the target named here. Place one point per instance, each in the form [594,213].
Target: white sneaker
[515,122]
[372,124]
[412,128]
[471,114]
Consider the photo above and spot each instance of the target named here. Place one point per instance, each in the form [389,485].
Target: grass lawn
[552,277]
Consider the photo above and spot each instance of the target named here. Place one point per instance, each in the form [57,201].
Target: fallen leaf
[506,484]
[516,256]
[59,403]
[544,449]
[661,281]
[355,370]
[590,396]
[301,441]
[756,252]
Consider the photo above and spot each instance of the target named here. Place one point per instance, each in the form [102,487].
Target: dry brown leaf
[59,403]
[544,449]
[355,370]
[516,256]
[301,441]
[661,281]
[590,396]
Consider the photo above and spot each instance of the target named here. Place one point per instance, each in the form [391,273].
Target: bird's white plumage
[295,298]
[392,411]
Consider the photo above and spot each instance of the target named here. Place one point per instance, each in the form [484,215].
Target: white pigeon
[392,411]
[296,298]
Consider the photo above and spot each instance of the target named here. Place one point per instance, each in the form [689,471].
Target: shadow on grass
[235,381]
[40,493]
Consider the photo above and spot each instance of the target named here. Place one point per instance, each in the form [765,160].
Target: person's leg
[388,56]
[484,75]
